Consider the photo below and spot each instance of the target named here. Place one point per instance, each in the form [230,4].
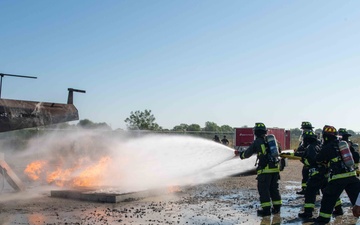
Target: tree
[211,126]
[88,124]
[181,128]
[194,127]
[144,120]
[226,129]
[85,123]
[351,132]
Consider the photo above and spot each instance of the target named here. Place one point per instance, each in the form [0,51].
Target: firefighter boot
[276,209]
[306,214]
[321,221]
[338,211]
[264,212]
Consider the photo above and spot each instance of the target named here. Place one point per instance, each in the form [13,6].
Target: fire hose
[299,158]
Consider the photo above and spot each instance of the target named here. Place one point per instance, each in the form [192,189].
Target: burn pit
[90,163]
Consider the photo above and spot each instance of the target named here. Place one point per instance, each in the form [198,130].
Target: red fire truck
[245,136]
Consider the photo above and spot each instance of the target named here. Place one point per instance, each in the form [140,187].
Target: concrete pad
[88,195]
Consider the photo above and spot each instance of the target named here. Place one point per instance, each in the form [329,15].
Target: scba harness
[268,157]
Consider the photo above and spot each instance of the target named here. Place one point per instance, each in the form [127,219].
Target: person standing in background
[225,141]
[216,138]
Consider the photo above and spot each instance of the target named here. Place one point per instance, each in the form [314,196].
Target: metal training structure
[21,114]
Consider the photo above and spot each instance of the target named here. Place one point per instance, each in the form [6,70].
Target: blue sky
[229,62]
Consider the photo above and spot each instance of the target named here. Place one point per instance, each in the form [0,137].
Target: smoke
[132,164]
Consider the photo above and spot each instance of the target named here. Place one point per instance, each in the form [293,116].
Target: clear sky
[233,62]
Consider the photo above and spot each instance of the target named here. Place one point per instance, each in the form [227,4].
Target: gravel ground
[230,200]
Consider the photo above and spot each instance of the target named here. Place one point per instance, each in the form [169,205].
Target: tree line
[143,121]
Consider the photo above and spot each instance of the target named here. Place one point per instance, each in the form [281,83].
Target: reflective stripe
[267,170]
[263,149]
[265,204]
[306,162]
[303,184]
[309,205]
[342,175]
[279,202]
[325,215]
[335,159]
[338,202]
[314,173]
[242,155]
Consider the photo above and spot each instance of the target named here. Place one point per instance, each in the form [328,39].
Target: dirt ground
[230,200]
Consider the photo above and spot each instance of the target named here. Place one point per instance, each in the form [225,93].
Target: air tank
[346,154]
[273,146]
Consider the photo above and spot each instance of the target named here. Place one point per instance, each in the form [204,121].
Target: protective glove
[242,155]
[236,152]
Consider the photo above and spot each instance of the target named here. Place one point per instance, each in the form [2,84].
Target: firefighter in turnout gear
[318,175]
[342,174]
[267,172]
[305,126]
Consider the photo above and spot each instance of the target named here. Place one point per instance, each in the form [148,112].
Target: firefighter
[267,172]
[305,126]
[216,138]
[225,141]
[342,175]
[317,176]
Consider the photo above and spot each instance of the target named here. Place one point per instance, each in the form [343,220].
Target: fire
[82,173]
[59,176]
[34,169]
[91,175]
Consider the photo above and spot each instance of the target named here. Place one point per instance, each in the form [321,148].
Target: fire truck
[244,136]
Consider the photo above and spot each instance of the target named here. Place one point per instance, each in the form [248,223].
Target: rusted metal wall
[18,114]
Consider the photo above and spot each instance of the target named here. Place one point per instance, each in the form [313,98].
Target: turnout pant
[305,176]
[268,188]
[314,184]
[332,192]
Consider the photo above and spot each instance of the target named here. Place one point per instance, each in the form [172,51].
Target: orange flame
[58,177]
[92,174]
[80,175]
[34,169]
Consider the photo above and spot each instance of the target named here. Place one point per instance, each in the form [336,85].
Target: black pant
[314,184]
[268,188]
[332,192]
[305,176]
